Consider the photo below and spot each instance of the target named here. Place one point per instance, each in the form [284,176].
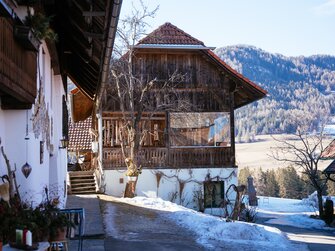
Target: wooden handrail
[154,157]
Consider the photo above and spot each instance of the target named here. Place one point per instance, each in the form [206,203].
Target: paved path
[94,230]
[134,228]
[316,239]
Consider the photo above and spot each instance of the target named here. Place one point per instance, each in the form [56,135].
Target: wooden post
[232,130]
[167,139]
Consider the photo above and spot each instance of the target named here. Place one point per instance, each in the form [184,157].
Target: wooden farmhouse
[182,149]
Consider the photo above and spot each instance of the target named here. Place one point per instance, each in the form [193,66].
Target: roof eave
[258,92]
[172,46]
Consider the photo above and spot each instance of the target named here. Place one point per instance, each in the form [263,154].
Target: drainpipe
[111,24]
[115,12]
[100,147]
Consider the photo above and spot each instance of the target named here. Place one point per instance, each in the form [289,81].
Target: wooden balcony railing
[18,69]
[195,157]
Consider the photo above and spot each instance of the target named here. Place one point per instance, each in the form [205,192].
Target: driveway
[315,239]
[134,228]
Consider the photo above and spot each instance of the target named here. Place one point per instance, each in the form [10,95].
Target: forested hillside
[300,88]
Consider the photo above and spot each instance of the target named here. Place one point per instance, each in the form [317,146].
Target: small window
[213,193]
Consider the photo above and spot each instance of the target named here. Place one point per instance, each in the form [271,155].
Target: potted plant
[25,36]
[59,224]
[43,221]
[36,28]
[41,26]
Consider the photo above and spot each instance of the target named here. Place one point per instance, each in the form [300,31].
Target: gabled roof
[330,169]
[81,105]
[79,135]
[168,36]
[329,152]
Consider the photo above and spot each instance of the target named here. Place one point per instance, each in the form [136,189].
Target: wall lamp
[64,143]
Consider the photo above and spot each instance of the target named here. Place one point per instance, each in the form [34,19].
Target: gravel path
[134,228]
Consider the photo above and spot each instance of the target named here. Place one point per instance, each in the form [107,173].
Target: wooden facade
[207,84]
[202,84]
[18,69]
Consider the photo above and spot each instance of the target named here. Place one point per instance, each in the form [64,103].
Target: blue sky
[288,27]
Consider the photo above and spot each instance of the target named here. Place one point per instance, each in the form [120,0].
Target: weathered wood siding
[18,69]
[202,83]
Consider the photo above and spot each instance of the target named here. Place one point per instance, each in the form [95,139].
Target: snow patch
[211,229]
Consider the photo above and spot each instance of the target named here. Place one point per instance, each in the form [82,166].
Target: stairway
[82,182]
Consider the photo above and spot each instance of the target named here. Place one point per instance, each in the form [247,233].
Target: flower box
[25,36]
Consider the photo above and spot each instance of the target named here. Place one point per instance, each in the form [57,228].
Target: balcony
[18,69]
[181,157]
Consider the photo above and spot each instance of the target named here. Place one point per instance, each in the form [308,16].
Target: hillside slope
[301,89]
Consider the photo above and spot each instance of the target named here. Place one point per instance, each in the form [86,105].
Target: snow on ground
[211,229]
[290,212]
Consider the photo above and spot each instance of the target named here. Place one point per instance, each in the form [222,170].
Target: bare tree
[304,152]
[135,93]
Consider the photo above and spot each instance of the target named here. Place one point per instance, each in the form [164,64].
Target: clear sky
[288,27]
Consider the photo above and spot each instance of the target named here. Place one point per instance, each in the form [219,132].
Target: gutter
[7,9]
[115,10]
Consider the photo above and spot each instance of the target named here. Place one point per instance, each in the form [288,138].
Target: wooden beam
[94,13]
[232,130]
[93,35]
[10,103]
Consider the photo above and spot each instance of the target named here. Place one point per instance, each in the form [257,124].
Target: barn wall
[199,81]
[169,185]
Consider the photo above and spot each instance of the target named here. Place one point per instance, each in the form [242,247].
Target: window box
[25,36]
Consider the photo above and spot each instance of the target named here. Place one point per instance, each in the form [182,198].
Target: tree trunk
[320,203]
[10,174]
[130,189]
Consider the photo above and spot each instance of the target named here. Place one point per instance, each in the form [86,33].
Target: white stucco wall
[147,184]
[52,172]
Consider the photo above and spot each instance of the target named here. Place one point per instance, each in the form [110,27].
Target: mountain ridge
[300,88]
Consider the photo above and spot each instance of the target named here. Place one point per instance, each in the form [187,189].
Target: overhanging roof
[81,105]
[245,91]
[329,152]
[330,169]
[86,31]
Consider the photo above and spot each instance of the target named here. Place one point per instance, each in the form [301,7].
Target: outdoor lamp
[64,143]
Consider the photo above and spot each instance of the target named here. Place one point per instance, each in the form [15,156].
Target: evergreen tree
[308,188]
[260,182]
[243,174]
[290,184]
[331,186]
[266,183]
[271,186]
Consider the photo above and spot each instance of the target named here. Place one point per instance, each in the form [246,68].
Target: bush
[248,214]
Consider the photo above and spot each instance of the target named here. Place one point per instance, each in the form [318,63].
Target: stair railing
[100,176]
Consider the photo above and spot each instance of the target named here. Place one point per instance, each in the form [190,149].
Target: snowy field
[258,154]
[290,212]
[212,230]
